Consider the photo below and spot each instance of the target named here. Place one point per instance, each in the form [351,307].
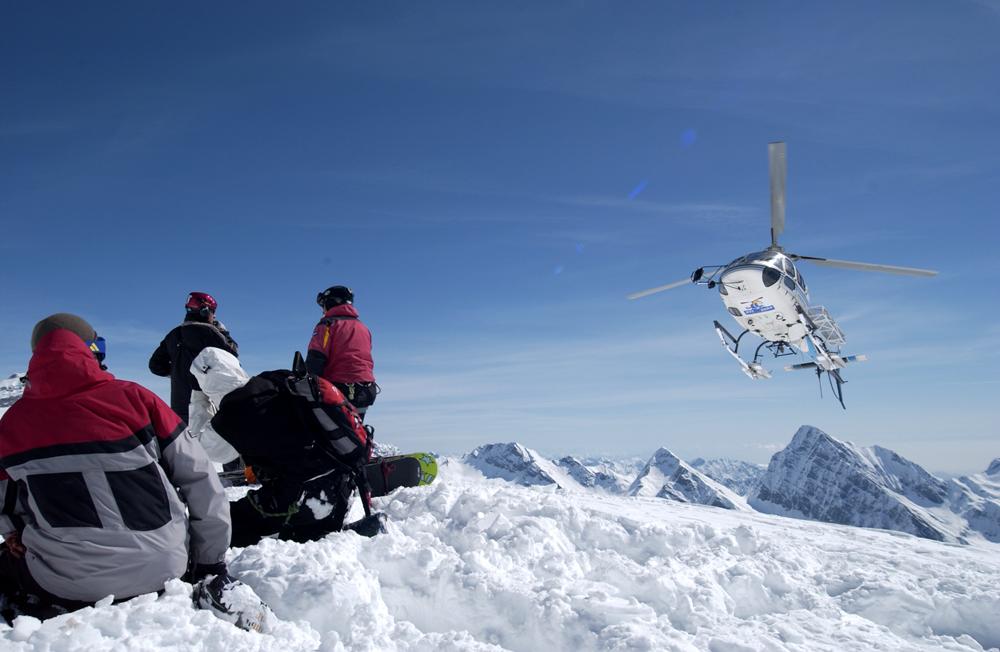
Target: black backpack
[293,422]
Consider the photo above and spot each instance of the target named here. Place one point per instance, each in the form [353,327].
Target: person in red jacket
[102,489]
[341,348]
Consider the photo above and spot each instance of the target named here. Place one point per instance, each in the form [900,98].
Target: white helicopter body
[767,296]
[764,293]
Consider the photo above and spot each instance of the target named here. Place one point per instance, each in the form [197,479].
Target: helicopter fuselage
[766,295]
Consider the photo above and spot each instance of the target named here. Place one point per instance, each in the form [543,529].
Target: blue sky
[493,178]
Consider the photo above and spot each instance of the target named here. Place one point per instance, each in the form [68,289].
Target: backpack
[293,422]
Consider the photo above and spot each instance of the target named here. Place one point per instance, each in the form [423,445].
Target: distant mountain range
[11,389]
[741,477]
[815,477]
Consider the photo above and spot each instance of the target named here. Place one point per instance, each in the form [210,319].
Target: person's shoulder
[12,415]
[175,332]
[133,388]
[194,325]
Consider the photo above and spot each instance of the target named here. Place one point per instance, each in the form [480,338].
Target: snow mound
[480,564]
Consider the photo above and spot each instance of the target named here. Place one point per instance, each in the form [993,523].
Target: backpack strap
[326,321]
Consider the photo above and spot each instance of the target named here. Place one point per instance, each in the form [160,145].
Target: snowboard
[384,474]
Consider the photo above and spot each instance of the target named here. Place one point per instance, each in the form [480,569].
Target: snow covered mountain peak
[668,476]
[516,463]
[822,478]
[591,478]
[994,467]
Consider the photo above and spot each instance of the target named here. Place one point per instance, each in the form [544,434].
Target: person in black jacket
[179,348]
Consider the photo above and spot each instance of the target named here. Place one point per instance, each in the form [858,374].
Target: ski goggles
[99,348]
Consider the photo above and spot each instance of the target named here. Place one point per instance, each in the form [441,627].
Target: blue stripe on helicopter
[753,310]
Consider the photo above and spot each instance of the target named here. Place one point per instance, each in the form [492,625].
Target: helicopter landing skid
[753,370]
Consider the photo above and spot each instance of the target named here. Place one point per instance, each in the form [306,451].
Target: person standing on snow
[102,489]
[341,349]
[173,357]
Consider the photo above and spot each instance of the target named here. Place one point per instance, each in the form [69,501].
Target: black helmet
[334,296]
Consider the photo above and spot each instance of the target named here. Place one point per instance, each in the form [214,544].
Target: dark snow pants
[295,511]
[23,595]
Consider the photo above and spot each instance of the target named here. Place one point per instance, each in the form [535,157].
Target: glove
[201,571]
[12,540]
[369,526]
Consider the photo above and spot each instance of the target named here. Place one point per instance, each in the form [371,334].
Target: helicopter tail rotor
[778,170]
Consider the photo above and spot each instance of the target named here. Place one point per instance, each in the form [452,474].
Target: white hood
[218,372]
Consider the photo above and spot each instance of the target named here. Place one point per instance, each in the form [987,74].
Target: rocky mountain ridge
[816,477]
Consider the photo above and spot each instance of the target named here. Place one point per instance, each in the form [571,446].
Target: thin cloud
[695,211]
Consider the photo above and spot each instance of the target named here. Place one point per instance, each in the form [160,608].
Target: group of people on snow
[105,490]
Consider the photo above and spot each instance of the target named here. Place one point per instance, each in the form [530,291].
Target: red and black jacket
[341,348]
[88,470]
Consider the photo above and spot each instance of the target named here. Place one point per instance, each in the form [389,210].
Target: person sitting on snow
[302,440]
[103,491]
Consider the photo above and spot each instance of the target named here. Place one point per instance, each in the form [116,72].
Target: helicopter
[767,296]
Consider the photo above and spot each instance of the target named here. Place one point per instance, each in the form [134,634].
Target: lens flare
[638,189]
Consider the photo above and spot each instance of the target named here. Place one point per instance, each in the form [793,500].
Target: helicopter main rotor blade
[660,288]
[779,170]
[865,267]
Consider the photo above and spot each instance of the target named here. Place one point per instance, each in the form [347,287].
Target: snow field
[475,564]
[532,568]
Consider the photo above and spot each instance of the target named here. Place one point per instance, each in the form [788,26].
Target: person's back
[173,357]
[341,348]
[96,461]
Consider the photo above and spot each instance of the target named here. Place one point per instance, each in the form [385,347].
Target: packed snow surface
[477,564]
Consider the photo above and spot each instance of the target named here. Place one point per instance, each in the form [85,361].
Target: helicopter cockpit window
[802,283]
[770,276]
[789,283]
[786,267]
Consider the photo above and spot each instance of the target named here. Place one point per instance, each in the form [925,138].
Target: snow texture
[471,563]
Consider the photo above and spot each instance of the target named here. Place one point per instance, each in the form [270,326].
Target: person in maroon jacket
[102,489]
[341,348]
